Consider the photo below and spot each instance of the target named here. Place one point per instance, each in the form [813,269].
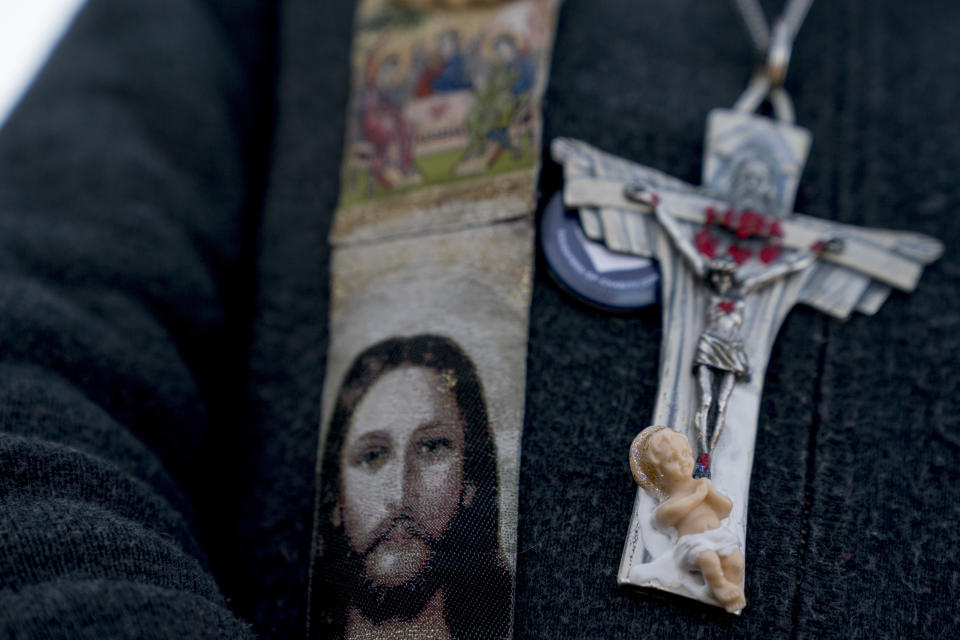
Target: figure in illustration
[407,528]
[662,462]
[383,128]
[501,103]
[447,70]
[721,359]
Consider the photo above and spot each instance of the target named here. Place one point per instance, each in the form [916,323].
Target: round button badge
[588,269]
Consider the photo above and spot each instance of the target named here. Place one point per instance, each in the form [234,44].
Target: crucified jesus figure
[721,359]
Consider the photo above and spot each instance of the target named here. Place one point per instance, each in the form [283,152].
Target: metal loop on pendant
[782,105]
[754,95]
[759,90]
[767,82]
[778,55]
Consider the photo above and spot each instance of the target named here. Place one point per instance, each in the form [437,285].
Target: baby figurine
[662,462]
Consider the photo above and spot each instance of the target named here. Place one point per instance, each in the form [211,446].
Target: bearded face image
[408,520]
[402,473]
[755,187]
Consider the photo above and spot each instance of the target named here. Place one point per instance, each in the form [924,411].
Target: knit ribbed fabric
[136,446]
[123,194]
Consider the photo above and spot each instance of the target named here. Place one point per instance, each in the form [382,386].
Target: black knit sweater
[166,189]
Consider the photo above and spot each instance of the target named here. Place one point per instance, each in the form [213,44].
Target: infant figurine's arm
[720,503]
[676,508]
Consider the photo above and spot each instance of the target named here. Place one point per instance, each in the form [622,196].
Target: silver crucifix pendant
[734,259]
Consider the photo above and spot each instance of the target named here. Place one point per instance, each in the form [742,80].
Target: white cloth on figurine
[689,547]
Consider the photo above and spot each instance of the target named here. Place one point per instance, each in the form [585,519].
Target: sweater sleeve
[125,227]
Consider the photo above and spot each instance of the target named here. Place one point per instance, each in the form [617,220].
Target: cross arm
[891,257]
[796,262]
[637,193]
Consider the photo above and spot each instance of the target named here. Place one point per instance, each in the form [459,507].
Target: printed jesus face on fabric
[407,535]
[402,473]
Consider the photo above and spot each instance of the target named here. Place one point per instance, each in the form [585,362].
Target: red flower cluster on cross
[739,254]
[770,253]
[705,242]
[745,224]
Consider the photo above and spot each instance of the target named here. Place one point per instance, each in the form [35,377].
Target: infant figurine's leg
[732,565]
[728,593]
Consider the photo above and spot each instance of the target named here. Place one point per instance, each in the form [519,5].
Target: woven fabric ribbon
[418,463]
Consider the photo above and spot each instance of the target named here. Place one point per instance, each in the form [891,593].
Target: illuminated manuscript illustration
[440,101]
